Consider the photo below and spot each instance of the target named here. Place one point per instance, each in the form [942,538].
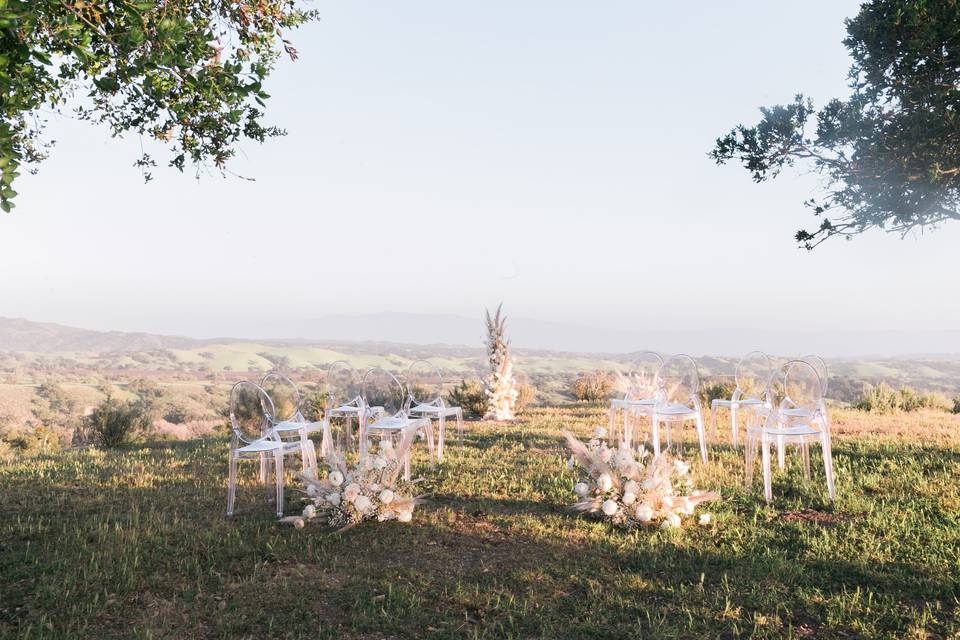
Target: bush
[526,394]
[717,390]
[956,405]
[593,387]
[884,399]
[470,396]
[112,423]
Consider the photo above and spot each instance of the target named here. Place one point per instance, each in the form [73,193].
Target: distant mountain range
[459,331]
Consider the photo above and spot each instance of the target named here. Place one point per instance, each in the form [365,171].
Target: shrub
[884,399]
[526,394]
[470,396]
[112,422]
[593,387]
[717,390]
[956,405]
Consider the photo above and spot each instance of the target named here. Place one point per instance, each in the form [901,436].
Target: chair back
[678,381]
[753,374]
[802,387]
[641,378]
[343,383]
[380,388]
[249,407]
[284,398]
[820,365]
[424,384]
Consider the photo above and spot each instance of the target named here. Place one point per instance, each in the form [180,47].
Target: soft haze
[443,157]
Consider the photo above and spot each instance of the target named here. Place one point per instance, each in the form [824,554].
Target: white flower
[629,498]
[386,496]
[334,499]
[335,478]
[362,503]
[309,511]
[599,432]
[604,482]
[312,489]
[388,451]
[624,459]
[379,462]
[610,507]
[686,506]
[704,519]
[581,489]
[643,512]
[648,484]
[351,492]
[404,516]
[631,486]
[672,521]
[642,452]
[606,454]
[308,473]
[681,467]
[570,464]
[667,502]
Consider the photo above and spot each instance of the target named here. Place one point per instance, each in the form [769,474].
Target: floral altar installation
[629,489]
[372,489]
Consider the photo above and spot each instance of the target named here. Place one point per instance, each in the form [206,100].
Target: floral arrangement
[370,490]
[617,484]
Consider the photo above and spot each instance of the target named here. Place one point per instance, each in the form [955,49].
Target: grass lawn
[134,544]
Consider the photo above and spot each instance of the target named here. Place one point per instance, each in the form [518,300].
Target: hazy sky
[443,156]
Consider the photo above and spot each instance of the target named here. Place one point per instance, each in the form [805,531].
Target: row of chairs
[268,420]
[783,405]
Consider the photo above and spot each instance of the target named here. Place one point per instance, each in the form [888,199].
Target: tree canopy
[889,154]
[188,73]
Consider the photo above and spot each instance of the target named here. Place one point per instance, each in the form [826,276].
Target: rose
[351,492]
[309,511]
[581,489]
[604,482]
[404,516]
[672,521]
[335,478]
[610,507]
[362,503]
[629,498]
[386,496]
[704,519]
[631,486]
[643,512]
[334,499]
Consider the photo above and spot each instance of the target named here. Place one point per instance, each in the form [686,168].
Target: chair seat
[434,410]
[290,427]
[745,402]
[265,444]
[799,412]
[674,410]
[795,430]
[393,423]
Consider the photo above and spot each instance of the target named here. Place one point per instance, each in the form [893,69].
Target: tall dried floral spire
[501,387]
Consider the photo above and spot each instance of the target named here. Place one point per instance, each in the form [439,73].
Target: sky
[443,157]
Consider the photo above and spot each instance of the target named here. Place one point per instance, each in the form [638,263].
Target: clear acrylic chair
[797,416]
[678,402]
[286,418]
[253,439]
[345,400]
[638,386]
[752,375]
[424,384]
[380,388]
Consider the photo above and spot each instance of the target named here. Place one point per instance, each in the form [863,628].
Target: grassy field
[134,544]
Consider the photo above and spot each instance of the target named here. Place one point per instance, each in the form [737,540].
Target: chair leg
[702,434]
[441,428]
[655,429]
[263,468]
[713,419]
[805,452]
[827,451]
[767,480]
[781,453]
[278,470]
[748,457]
[734,426]
[460,425]
[428,432]
[612,424]
[231,484]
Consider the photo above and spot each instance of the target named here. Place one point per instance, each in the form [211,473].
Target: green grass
[134,544]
